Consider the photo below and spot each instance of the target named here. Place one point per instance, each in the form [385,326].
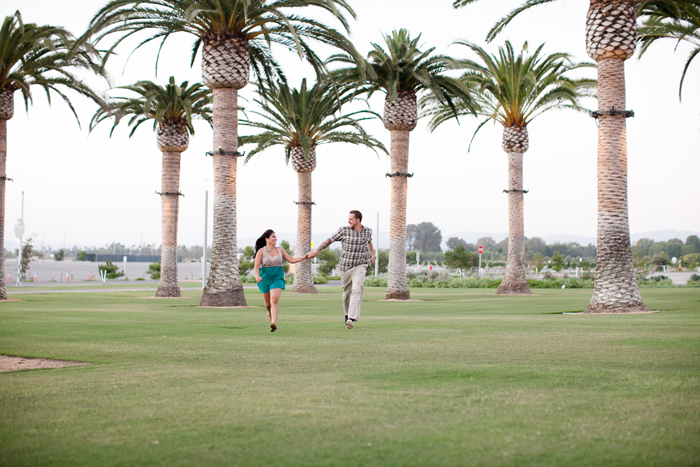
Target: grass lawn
[96,285]
[460,378]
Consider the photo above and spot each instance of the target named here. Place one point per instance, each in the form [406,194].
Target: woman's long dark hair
[259,243]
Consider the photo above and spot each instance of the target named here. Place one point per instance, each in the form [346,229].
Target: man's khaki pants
[353,287]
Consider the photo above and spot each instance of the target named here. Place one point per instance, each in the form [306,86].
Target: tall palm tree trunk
[225,70]
[397,285]
[173,139]
[168,286]
[7,110]
[515,143]
[3,165]
[611,39]
[400,118]
[223,286]
[303,277]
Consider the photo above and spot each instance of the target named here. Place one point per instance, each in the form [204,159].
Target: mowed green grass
[462,377]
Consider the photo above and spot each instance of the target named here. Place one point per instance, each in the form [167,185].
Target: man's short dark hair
[357,214]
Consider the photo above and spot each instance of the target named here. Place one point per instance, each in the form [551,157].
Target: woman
[269,273]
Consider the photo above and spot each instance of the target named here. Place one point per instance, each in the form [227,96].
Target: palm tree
[401,71]
[678,20]
[513,90]
[171,107]
[300,120]
[34,56]
[234,36]
[611,38]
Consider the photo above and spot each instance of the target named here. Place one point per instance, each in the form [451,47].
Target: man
[357,255]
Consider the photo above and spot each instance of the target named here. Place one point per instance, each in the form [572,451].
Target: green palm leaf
[402,67]
[169,105]
[306,117]
[513,89]
[260,22]
[677,21]
[46,57]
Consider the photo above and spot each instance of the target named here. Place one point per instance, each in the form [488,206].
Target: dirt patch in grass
[12,363]
[226,307]
[11,300]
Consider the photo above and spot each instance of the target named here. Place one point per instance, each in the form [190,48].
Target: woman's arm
[256,269]
[289,259]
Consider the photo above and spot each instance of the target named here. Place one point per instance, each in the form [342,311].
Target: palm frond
[46,57]
[260,22]
[171,104]
[306,117]
[514,88]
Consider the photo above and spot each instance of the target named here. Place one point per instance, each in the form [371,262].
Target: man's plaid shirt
[355,247]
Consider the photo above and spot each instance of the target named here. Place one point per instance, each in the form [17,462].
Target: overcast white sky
[95,190]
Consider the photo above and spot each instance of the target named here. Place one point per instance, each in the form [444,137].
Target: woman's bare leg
[268,305]
[275,301]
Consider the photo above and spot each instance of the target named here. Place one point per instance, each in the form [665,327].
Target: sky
[88,189]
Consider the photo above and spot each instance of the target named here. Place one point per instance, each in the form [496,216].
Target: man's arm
[371,252]
[323,246]
[337,237]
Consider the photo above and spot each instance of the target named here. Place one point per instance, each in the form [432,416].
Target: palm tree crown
[44,56]
[167,105]
[307,117]
[678,20]
[513,89]
[257,22]
[403,68]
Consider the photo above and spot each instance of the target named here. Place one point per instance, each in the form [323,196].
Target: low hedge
[486,283]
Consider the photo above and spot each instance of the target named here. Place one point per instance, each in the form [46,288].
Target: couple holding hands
[356,256]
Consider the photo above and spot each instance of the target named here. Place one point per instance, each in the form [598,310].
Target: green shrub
[248,280]
[327,261]
[655,281]
[440,282]
[568,283]
[247,262]
[289,279]
[112,270]
[333,278]
[376,282]
[154,270]
[694,281]
[320,279]
[82,255]
[140,279]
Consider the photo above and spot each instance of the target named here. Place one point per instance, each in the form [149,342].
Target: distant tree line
[648,251]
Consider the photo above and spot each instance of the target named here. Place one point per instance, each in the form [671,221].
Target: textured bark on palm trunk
[173,139]
[515,143]
[616,288]
[168,285]
[7,110]
[397,285]
[3,165]
[400,117]
[223,286]
[303,277]
[611,39]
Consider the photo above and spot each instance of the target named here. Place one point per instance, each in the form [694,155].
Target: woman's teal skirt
[272,278]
